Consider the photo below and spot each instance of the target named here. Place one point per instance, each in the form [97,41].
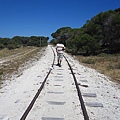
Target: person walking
[59,49]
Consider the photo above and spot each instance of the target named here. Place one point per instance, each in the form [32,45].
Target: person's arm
[56,49]
[63,49]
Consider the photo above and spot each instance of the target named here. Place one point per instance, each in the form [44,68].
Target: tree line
[101,34]
[18,41]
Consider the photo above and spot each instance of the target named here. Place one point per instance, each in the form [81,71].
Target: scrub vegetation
[19,52]
[104,63]
[96,44]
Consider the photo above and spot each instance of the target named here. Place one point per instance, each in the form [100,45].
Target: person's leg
[60,63]
[60,59]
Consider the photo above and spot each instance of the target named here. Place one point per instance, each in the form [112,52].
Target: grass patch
[104,63]
[11,66]
[5,52]
[88,61]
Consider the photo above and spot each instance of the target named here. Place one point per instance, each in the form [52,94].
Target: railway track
[57,96]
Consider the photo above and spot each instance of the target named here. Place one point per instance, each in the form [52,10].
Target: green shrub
[103,55]
[11,46]
[2,46]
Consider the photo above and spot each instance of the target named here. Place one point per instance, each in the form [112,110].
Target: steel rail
[79,93]
[37,94]
[54,57]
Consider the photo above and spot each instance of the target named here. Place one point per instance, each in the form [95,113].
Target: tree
[100,33]
[89,44]
[62,34]
[18,41]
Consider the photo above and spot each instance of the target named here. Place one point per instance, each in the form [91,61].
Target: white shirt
[59,48]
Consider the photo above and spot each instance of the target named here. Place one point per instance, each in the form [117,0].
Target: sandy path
[16,95]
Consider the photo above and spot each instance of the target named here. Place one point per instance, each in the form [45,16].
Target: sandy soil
[59,100]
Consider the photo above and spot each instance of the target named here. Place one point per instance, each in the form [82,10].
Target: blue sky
[43,17]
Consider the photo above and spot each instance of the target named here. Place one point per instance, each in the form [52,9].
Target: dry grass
[12,66]
[105,64]
[5,52]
